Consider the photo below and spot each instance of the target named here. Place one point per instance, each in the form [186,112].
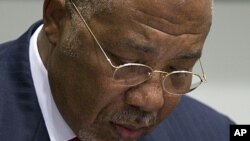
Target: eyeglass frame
[166,74]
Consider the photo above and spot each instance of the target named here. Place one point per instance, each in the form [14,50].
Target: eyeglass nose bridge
[162,74]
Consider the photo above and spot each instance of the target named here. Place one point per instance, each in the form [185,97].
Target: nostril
[145,98]
[135,99]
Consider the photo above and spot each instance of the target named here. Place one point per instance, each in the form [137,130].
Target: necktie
[75,139]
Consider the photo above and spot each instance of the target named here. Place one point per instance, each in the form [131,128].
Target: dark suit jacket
[21,118]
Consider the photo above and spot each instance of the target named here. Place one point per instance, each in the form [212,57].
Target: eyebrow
[141,47]
[189,55]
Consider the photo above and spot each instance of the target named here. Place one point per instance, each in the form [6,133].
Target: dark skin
[166,35]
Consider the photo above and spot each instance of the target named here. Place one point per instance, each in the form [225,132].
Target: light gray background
[226,56]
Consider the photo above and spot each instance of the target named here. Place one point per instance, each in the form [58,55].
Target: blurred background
[226,56]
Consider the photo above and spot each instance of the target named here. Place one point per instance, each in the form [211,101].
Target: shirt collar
[57,128]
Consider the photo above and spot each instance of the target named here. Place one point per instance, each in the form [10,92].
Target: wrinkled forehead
[176,10]
[170,16]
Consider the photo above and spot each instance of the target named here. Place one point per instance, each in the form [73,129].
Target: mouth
[128,132]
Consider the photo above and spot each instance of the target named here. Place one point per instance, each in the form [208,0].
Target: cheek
[90,92]
[80,89]
[81,81]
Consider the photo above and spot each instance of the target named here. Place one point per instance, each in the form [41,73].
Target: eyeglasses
[132,74]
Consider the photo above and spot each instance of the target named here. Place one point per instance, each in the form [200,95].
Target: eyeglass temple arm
[204,78]
[92,34]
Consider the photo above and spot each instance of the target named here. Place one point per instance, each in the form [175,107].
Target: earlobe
[53,18]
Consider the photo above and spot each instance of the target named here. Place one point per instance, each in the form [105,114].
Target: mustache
[132,116]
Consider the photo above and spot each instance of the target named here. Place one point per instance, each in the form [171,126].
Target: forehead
[173,10]
[154,22]
[172,16]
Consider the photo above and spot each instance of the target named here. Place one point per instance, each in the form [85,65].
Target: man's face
[166,35]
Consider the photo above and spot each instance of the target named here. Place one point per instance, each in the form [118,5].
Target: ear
[54,14]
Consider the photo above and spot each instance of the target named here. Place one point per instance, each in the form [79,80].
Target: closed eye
[118,60]
[173,68]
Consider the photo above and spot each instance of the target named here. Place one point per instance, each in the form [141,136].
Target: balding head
[92,7]
[175,12]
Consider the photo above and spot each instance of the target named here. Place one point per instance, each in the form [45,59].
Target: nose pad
[147,96]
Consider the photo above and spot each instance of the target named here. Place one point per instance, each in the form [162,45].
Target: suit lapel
[22,116]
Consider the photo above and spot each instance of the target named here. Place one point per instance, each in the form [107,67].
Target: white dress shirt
[57,128]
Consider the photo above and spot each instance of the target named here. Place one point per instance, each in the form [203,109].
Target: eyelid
[122,60]
[181,64]
[126,60]
[174,68]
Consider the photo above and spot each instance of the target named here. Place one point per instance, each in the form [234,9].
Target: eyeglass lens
[132,74]
[174,83]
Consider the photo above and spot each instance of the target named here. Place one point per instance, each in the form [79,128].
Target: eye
[115,59]
[173,68]
[177,68]
[181,65]
[118,60]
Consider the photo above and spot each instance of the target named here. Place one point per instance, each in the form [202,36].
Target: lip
[128,132]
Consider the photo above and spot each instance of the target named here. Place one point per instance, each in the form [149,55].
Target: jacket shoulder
[19,109]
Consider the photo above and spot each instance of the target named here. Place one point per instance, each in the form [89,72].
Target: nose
[147,96]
